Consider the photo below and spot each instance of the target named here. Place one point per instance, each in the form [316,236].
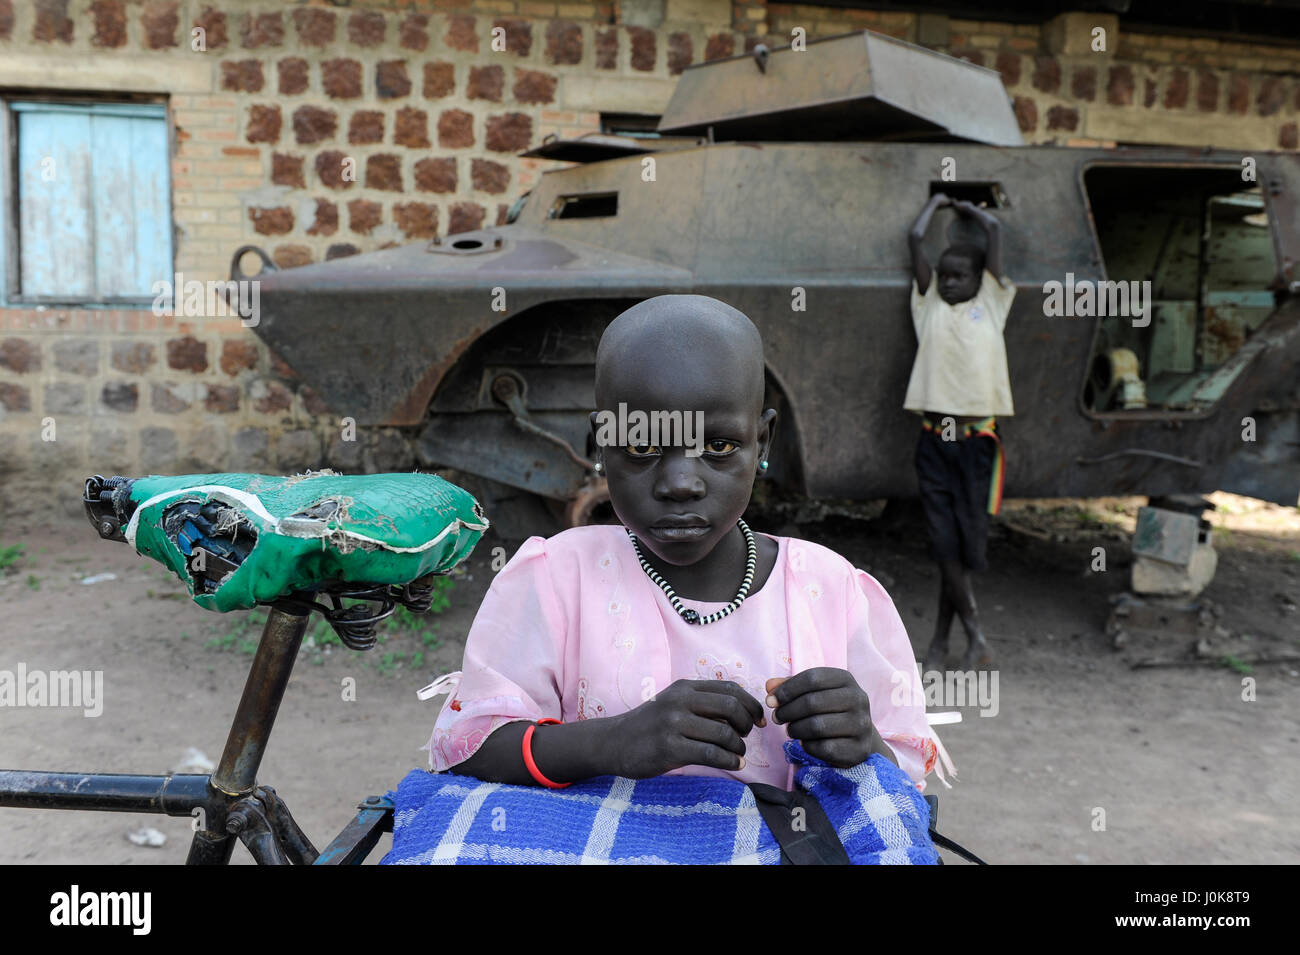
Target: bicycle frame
[228,803]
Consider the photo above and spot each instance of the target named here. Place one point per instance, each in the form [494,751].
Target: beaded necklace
[692,616]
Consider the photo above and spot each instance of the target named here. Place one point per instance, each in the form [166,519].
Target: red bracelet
[528,757]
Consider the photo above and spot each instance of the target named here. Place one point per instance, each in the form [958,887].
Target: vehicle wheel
[590,506]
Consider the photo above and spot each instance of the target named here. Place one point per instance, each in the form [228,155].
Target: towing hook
[237,273]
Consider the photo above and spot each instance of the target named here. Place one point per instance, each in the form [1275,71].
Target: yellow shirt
[961,361]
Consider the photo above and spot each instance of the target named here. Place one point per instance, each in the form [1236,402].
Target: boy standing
[959,386]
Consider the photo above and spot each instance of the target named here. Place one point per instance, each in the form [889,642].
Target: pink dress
[572,628]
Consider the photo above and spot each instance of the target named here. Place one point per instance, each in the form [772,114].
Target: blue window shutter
[54,204]
[94,200]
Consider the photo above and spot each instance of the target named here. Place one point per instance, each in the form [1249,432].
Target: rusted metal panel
[851,87]
[493,446]
[375,334]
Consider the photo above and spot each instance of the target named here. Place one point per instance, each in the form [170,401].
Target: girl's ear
[599,452]
[766,433]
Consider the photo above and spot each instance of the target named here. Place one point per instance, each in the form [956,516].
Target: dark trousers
[955,478]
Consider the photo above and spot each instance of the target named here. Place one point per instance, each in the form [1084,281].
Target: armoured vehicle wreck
[784,183]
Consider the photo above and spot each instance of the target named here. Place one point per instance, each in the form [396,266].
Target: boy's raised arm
[992,229]
[916,238]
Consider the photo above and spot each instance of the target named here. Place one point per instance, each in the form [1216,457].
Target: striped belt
[984,428]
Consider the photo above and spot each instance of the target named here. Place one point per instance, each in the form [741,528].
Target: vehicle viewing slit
[989,194]
[591,206]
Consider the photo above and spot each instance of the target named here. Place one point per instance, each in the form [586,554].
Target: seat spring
[355,625]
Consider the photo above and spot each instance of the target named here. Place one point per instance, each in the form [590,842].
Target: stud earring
[598,467]
[762,465]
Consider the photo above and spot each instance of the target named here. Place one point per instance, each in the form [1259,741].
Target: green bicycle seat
[238,540]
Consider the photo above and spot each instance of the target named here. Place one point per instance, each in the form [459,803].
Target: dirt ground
[1175,763]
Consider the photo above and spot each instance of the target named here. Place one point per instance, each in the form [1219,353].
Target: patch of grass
[401,629]
[1295,555]
[33,582]
[407,635]
[322,634]
[1233,663]
[402,619]
[9,556]
[318,638]
[243,635]
[224,642]
[1086,518]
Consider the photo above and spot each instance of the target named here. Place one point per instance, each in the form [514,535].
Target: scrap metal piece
[1172,553]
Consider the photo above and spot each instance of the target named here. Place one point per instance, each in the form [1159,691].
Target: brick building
[318,130]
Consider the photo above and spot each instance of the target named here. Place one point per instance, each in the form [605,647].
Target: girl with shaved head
[681,641]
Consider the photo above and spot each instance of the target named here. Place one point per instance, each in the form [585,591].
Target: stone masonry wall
[283,97]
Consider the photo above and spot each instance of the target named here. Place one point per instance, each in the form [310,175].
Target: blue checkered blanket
[445,819]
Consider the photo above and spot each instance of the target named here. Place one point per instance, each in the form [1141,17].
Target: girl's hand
[691,723]
[829,714]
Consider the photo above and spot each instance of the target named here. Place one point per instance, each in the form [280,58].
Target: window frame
[11,293]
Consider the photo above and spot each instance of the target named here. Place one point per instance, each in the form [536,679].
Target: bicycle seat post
[236,773]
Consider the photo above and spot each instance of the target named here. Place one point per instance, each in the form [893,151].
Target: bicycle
[228,803]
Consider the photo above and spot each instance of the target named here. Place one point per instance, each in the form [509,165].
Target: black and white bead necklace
[691,616]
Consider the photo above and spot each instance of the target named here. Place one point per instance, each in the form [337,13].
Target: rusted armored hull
[415,336]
